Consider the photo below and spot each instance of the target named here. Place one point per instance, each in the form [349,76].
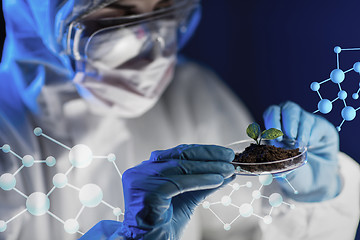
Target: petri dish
[273,167]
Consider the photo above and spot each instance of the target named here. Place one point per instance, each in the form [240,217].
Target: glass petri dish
[273,167]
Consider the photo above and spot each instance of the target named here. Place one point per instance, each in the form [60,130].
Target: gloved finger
[102,230]
[290,117]
[301,181]
[181,167]
[174,185]
[305,127]
[201,195]
[195,152]
[227,181]
[272,117]
[323,131]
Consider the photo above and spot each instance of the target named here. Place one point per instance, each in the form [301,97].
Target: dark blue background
[270,51]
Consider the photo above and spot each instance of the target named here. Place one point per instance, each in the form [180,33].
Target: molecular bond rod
[295,191]
[231,204]
[21,193]
[16,155]
[73,187]
[40,161]
[216,216]
[52,189]
[235,219]
[257,216]
[107,204]
[17,171]
[232,192]
[17,215]
[350,49]
[272,208]
[325,81]
[117,169]
[100,157]
[81,210]
[55,141]
[68,171]
[56,217]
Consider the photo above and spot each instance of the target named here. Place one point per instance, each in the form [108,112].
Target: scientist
[106,74]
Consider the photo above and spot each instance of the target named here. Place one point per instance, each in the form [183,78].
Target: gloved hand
[318,180]
[162,193]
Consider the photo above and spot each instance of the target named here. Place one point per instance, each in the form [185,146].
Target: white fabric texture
[196,108]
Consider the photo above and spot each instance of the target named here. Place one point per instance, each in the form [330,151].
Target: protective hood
[33,54]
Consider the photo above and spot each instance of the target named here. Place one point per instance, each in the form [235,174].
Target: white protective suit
[196,108]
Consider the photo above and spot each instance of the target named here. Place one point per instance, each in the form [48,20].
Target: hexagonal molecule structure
[337,76]
[38,203]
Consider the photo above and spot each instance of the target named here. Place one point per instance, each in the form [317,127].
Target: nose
[159,45]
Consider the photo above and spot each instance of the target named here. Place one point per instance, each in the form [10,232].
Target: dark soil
[265,153]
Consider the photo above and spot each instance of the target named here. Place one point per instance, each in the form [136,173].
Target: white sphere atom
[342,94]
[356,67]
[71,226]
[248,184]
[80,156]
[227,226]
[267,219]
[337,75]
[60,180]
[275,199]
[37,131]
[206,204]
[3,226]
[256,194]
[226,200]
[111,157]
[348,113]
[6,148]
[236,186]
[246,210]
[117,212]
[28,161]
[265,178]
[90,195]
[37,204]
[315,86]
[50,161]
[7,181]
[337,49]
[325,106]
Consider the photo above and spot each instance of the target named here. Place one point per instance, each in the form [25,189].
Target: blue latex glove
[318,180]
[162,193]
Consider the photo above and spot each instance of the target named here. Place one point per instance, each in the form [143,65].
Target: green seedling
[253,131]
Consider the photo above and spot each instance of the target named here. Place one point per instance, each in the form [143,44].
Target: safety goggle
[84,35]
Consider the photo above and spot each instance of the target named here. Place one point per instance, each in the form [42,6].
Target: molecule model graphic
[38,203]
[246,209]
[337,76]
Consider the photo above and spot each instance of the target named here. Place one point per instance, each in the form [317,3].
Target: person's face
[130,7]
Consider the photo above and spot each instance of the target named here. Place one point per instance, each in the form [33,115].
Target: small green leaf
[253,131]
[271,133]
